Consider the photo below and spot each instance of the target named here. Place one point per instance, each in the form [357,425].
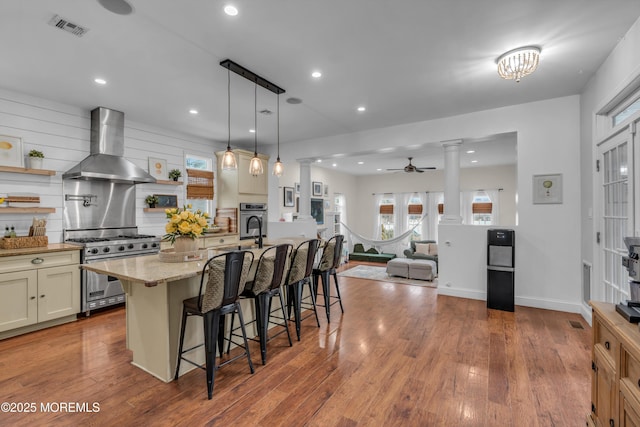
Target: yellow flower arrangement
[184,222]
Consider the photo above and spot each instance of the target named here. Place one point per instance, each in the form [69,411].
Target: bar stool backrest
[302,262]
[331,253]
[271,268]
[226,277]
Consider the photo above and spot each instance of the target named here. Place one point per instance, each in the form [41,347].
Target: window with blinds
[387,219]
[199,184]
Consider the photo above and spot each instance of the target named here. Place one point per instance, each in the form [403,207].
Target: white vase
[35,162]
[185,244]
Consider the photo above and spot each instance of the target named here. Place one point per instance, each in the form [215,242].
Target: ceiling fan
[412,168]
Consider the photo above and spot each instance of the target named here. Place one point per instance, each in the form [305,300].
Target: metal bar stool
[266,284]
[300,274]
[226,273]
[329,262]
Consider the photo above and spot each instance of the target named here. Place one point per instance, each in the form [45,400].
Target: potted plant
[174,174]
[35,159]
[151,200]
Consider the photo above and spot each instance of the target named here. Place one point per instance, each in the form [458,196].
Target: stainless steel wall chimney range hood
[105,161]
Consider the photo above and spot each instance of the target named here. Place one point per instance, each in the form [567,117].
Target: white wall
[548,235]
[62,133]
[615,75]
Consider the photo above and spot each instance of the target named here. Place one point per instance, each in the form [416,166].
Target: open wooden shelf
[167,182]
[27,170]
[27,210]
[154,209]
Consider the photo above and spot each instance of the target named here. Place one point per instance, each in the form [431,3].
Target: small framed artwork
[167,200]
[288,197]
[316,188]
[158,168]
[296,185]
[326,190]
[547,189]
[11,151]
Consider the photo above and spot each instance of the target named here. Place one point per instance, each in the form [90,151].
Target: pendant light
[278,167]
[255,166]
[229,159]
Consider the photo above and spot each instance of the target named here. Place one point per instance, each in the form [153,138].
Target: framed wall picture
[296,185]
[288,197]
[11,151]
[158,168]
[547,189]
[317,210]
[167,200]
[316,188]
[326,190]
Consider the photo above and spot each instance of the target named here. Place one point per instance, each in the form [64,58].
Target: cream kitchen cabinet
[236,186]
[38,291]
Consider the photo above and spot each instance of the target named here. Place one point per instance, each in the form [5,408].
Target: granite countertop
[53,247]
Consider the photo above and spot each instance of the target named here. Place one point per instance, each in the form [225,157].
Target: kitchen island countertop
[53,247]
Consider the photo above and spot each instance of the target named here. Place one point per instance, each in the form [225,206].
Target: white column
[452,182]
[305,191]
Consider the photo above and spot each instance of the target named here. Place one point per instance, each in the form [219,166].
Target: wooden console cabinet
[615,385]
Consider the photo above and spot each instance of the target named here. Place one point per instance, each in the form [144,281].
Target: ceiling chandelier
[255,166]
[229,159]
[517,63]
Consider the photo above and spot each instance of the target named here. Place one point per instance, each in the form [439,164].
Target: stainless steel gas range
[99,290]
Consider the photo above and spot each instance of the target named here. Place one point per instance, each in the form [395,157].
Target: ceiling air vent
[67,26]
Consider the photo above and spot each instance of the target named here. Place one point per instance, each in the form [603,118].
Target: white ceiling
[405,60]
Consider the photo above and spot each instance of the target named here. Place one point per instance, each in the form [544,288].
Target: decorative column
[305,191]
[452,182]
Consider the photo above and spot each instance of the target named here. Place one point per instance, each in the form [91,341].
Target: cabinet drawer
[605,339]
[212,242]
[40,260]
[630,372]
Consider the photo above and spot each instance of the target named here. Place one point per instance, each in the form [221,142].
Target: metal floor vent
[575,324]
[67,26]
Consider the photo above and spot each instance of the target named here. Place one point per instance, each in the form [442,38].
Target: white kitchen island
[155,291]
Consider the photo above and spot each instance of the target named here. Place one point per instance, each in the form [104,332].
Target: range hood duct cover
[105,161]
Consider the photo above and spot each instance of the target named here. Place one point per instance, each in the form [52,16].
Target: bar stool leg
[264,325]
[335,279]
[182,329]
[211,325]
[244,335]
[286,324]
[326,277]
[313,300]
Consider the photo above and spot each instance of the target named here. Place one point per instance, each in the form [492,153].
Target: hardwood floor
[400,355]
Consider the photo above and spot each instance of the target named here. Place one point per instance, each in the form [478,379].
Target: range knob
[107,249]
[94,250]
[145,246]
[121,248]
[130,246]
[154,245]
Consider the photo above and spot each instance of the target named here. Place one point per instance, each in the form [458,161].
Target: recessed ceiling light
[474,161]
[361,109]
[361,163]
[319,161]
[470,151]
[378,169]
[230,10]
[193,111]
[252,131]
[334,165]
[316,74]
[100,81]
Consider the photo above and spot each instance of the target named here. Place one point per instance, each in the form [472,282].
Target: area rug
[380,273]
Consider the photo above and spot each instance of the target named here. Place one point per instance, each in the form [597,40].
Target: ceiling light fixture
[316,74]
[470,151]
[361,109]
[193,111]
[361,163]
[518,63]
[100,81]
[230,10]
[278,167]
[255,165]
[229,159]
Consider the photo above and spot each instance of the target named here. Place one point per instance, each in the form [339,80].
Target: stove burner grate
[88,240]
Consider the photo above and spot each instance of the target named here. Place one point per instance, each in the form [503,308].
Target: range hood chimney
[105,161]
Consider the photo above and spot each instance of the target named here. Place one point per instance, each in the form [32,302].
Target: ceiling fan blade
[395,169]
[427,168]
[419,170]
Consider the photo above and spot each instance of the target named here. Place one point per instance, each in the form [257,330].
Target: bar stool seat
[225,274]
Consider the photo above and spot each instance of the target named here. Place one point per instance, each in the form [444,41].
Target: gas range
[117,246]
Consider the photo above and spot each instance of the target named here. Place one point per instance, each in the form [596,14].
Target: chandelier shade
[229,159]
[518,63]
[255,166]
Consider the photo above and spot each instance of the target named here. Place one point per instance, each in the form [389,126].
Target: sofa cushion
[422,248]
[358,248]
[372,251]
[433,249]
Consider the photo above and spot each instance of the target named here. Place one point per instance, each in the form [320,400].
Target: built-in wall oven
[253,219]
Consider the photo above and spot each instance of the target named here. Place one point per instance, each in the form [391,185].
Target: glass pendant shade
[255,167]
[278,168]
[229,160]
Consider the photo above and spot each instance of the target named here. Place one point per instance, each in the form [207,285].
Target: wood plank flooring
[399,356]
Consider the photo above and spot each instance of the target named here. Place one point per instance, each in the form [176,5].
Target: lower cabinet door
[629,416]
[606,390]
[18,299]
[58,292]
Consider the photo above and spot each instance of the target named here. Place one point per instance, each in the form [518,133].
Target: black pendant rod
[250,75]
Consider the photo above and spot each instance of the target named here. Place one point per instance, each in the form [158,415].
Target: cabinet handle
[42,296]
[37,261]
[611,423]
[607,346]
[638,383]
[32,297]
[221,240]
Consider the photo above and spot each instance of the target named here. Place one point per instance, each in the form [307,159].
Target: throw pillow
[433,249]
[422,248]
[372,251]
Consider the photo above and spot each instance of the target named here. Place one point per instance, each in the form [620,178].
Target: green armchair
[432,255]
